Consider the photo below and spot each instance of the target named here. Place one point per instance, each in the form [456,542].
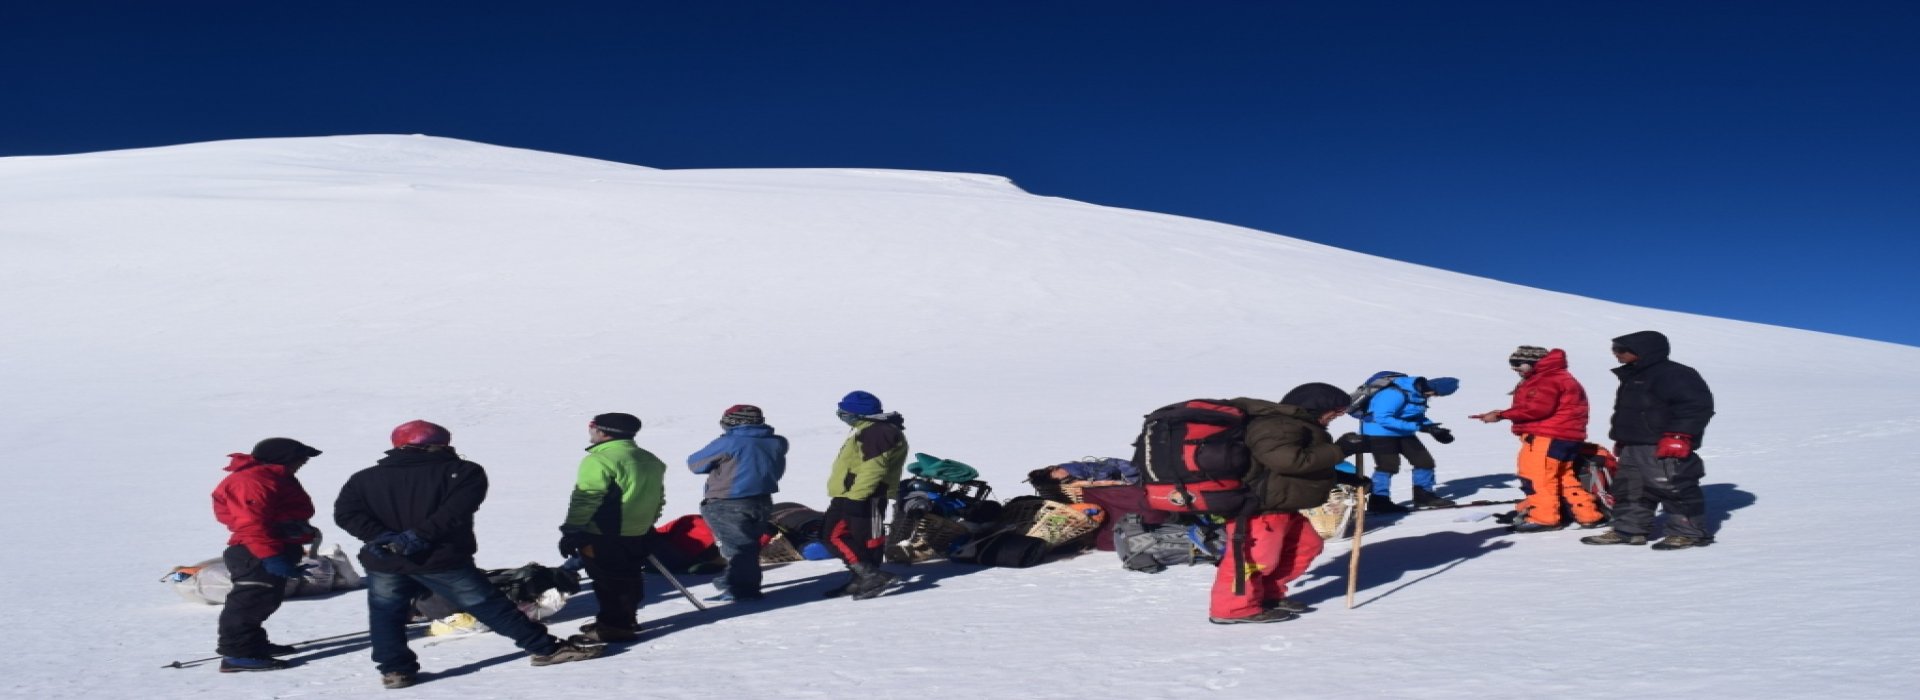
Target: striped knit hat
[742,414]
[1529,354]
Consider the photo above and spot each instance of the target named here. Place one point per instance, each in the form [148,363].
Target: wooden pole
[1359,528]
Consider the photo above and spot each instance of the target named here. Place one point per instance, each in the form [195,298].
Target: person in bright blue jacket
[743,468]
[1391,426]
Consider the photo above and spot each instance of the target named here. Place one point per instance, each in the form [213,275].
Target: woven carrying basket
[1332,519]
[1055,522]
[779,551]
[932,537]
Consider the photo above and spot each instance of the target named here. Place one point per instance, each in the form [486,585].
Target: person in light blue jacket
[743,468]
[1391,426]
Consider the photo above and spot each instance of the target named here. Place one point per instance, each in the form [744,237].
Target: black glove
[1440,435]
[1351,444]
[570,544]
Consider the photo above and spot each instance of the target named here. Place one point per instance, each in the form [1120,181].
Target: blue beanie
[860,403]
[1444,386]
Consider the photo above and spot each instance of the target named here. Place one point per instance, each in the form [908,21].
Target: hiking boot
[1287,605]
[595,633]
[237,664]
[1262,616]
[1614,537]
[1384,505]
[568,650]
[396,680]
[1525,527]
[849,588]
[281,650]
[871,581]
[1672,542]
[1423,498]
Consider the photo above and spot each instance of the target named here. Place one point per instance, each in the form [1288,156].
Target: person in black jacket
[414,509]
[1660,417]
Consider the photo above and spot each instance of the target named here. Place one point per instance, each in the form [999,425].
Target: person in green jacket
[865,476]
[617,496]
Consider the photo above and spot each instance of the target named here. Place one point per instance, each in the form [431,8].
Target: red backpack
[1192,457]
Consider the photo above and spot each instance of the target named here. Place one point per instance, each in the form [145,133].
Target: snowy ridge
[164,307]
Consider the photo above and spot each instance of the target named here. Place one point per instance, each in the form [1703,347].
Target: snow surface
[163,307]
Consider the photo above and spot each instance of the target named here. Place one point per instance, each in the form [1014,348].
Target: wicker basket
[1333,518]
[930,537]
[1057,523]
[779,551]
[1072,490]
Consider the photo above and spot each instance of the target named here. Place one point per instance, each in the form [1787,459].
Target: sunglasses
[1517,364]
[1621,349]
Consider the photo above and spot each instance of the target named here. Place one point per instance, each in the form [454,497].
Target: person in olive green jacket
[865,476]
[617,496]
[1293,469]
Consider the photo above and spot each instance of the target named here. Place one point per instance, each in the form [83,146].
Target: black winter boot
[871,581]
[1377,503]
[1423,498]
[849,588]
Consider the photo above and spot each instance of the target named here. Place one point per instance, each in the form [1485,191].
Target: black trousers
[256,595]
[1387,450]
[616,565]
[853,529]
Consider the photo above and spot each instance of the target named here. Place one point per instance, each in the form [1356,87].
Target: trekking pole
[655,561]
[1359,528]
[317,640]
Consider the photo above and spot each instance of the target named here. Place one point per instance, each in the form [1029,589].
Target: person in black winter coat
[414,509]
[1660,417]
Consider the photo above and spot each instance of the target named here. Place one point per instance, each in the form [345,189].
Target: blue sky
[1754,160]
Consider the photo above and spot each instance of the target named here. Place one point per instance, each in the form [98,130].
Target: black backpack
[1193,457]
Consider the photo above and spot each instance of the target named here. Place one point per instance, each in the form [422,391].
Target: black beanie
[282,450]
[617,424]
[1317,397]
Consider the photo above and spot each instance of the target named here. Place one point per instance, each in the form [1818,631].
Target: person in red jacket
[267,510]
[1549,414]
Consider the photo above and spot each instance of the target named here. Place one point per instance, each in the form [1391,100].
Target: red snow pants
[1279,548]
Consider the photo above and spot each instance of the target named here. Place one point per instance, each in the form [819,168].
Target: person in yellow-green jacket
[616,499]
[865,476]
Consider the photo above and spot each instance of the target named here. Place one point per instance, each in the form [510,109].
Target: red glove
[1674,446]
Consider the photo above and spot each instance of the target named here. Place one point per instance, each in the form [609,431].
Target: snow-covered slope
[163,307]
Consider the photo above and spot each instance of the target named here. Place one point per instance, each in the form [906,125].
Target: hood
[414,456]
[758,430]
[1555,361]
[888,417]
[1263,407]
[607,445]
[242,460]
[1650,346]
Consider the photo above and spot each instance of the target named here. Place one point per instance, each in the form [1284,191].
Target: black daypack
[1360,401]
[1193,457]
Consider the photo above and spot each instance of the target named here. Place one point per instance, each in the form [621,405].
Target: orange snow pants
[1548,479]
[1279,548]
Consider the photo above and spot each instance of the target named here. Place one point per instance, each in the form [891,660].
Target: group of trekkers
[414,509]
[1660,416]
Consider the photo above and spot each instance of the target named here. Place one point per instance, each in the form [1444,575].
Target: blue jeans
[737,524]
[390,606]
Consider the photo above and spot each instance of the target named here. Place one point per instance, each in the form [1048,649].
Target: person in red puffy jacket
[1549,415]
[265,507]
